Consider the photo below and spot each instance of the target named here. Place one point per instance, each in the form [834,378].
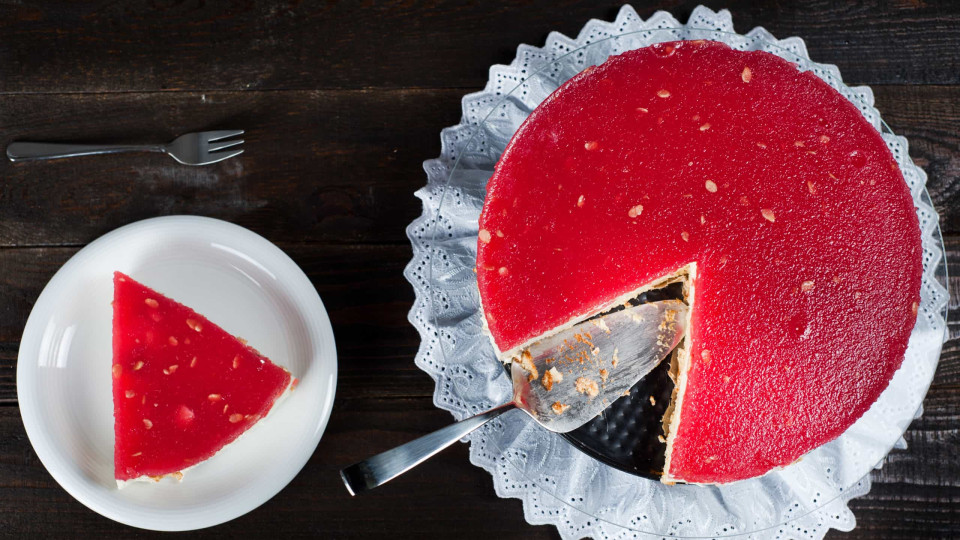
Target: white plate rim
[325,356]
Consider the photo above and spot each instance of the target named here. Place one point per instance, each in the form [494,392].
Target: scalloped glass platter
[616,488]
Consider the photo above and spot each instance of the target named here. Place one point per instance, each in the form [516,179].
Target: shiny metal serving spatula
[562,381]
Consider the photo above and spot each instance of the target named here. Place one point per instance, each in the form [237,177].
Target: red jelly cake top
[803,232]
[182,386]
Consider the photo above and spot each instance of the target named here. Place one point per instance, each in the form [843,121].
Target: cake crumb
[653,400]
[768,215]
[914,308]
[616,357]
[642,110]
[550,377]
[635,211]
[811,188]
[591,145]
[761,145]
[705,126]
[661,439]
[602,324]
[807,286]
[703,219]
[587,386]
[559,408]
[824,139]
[685,235]
[502,271]
[705,356]
[663,93]
[484,236]
[499,233]
[580,202]
[604,374]
[711,186]
[746,75]
[526,362]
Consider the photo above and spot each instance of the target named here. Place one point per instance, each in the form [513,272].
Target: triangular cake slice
[183,388]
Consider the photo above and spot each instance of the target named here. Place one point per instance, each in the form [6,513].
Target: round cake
[758,186]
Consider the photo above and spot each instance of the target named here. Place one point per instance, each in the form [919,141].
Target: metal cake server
[562,381]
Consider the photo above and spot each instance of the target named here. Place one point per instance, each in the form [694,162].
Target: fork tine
[223,145]
[212,136]
[220,156]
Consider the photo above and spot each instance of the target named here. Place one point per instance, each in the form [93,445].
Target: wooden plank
[915,496]
[899,511]
[141,45]
[318,166]
[332,166]
[928,118]
[952,245]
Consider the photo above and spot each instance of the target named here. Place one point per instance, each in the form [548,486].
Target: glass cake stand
[607,470]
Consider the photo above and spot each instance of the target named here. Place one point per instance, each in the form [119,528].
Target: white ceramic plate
[237,279]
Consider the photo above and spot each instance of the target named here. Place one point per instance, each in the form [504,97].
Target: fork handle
[382,468]
[28,151]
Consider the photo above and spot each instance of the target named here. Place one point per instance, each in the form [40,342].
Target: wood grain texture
[929,117]
[342,100]
[182,45]
[319,166]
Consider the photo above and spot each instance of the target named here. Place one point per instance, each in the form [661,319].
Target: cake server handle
[382,468]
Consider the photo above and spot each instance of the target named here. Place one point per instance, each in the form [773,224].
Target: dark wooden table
[342,102]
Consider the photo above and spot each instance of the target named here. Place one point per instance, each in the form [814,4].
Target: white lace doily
[557,483]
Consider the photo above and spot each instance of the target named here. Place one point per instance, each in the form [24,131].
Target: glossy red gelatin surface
[804,234]
[183,388]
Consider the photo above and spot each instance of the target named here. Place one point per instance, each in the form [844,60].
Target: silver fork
[202,148]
